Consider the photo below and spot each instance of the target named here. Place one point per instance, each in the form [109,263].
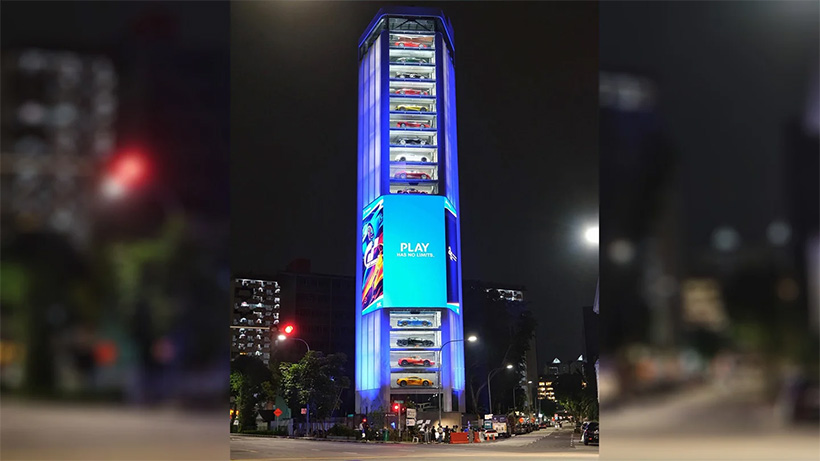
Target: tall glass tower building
[409,334]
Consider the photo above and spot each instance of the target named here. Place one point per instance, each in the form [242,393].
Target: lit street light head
[281,337]
[472,338]
[591,235]
[509,366]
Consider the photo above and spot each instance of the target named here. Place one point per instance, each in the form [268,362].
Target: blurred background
[113,155]
[709,230]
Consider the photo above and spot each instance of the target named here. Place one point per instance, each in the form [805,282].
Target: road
[544,444]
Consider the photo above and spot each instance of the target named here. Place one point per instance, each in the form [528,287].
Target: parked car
[590,433]
[414,75]
[410,44]
[414,342]
[404,140]
[415,361]
[411,108]
[411,124]
[411,60]
[411,175]
[414,381]
[414,321]
[411,157]
[412,191]
[415,91]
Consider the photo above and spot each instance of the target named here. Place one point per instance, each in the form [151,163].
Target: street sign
[277,412]
[489,416]
[304,411]
[399,401]
[411,421]
[411,413]
[488,424]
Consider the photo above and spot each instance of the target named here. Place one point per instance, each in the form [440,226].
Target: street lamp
[591,235]
[472,339]
[282,337]
[489,377]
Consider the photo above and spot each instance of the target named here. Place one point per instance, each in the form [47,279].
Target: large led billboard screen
[404,253]
[414,252]
[372,265]
[453,250]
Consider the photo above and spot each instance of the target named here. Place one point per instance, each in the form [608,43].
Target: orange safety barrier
[459,437]
[476,437]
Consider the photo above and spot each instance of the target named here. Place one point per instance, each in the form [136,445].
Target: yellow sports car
[413,381]
[411,107]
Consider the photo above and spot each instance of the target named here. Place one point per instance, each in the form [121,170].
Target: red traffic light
[289,329]
[364,420]
[396,407]
[129,169]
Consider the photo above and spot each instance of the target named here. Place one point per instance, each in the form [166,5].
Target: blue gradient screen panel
[415,254]
[372,265]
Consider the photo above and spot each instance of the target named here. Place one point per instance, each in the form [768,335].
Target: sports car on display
[412,191]
[411,157]
[411,75]
[411,124]
[411,140]
[411,60]
[411,175]
[413,381]
[410,91]
[410,44]
[411,107]
[414,342]
[414,321]
[415,362]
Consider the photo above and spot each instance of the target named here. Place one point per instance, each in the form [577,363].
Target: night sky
[526,85]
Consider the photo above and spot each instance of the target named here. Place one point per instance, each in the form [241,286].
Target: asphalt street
[544,444]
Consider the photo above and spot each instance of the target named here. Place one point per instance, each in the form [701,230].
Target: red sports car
[411,175]
[411,124]
[410,91]
[411,44]
[416,361]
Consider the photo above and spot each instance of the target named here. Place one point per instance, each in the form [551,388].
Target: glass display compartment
[412,41]
[413,90]
[412,155]
[400,138]
[422,189]
[409,360]
[409,73]
[413,174]
[405,380]
[412,319]
[416,121]
[413,57]
[414,339]
[406,105]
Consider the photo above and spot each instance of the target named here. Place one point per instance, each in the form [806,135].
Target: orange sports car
[413,381]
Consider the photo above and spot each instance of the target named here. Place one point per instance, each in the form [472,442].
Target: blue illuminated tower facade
[409,328]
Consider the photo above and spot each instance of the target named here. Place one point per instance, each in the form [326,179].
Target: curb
[317,439]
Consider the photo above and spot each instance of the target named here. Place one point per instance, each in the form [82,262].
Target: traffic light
[289,329]
[396,407]
[128,169]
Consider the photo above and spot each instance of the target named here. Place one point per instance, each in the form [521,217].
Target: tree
[577,395]
[251,384]
[316,381]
